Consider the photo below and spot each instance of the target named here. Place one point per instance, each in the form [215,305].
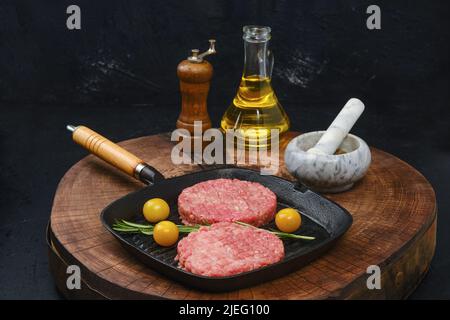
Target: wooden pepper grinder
[195,75]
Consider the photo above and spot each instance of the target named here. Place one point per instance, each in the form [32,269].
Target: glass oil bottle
[255,109]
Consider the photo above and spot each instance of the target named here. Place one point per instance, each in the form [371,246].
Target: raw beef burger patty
[226,248]
[227,200]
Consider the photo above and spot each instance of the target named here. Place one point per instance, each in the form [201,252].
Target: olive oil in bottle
[255,109]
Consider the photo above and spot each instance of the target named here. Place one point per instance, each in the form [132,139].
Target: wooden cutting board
[393,207]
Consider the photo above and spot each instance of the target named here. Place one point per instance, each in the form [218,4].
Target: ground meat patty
[227,200]
[225,249]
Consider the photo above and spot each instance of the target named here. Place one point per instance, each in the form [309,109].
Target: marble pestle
[339,128]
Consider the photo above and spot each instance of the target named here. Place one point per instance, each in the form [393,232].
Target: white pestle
[339,128]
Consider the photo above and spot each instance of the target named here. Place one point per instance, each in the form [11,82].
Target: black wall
[118,75]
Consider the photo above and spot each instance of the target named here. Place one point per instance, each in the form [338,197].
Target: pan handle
[114,155]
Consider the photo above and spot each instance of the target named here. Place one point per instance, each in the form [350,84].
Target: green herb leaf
[147,229]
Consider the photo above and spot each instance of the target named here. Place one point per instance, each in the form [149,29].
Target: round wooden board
[393,207]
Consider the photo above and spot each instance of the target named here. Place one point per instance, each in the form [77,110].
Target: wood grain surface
[393,208]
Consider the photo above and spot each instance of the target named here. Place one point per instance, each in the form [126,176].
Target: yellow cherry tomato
[165,233]
[155,210]
[288,220]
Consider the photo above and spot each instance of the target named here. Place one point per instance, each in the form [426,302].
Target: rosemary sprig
[279,234]
[147,229]
[291,235]
[131,227]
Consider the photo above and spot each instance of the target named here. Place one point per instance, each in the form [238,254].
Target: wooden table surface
[393,207]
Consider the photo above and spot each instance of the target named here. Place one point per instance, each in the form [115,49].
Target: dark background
[118,75]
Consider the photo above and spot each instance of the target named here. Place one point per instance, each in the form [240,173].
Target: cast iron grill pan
[321,218]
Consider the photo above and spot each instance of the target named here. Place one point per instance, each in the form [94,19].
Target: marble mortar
[327,173]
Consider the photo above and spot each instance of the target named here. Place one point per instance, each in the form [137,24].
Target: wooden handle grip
[106,149]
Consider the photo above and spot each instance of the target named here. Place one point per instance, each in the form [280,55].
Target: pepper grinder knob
[197,58]
[195,75]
